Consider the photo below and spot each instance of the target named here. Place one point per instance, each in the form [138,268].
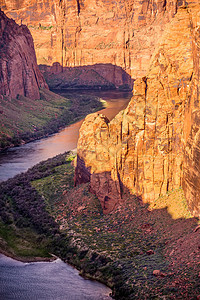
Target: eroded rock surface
[88,32]
[149,144]
[191,131]
[18,67]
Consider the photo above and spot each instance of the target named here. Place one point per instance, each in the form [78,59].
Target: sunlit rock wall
[149,144]
[86,32]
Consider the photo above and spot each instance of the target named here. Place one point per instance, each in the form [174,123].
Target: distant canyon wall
[153,146]
[97,76]
[19,73]
[73,33]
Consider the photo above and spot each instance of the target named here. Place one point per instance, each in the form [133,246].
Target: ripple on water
[46,280]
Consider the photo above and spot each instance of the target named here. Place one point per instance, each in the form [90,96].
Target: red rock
[156,272]
[150,252]
[20,74]
[159,273]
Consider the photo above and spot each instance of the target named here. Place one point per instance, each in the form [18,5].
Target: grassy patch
[26,226]
[54,186]
[23,243]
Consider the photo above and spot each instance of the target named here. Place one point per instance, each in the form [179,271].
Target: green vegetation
[26,227]
[121,249]
[23,119]
[41,27]
[23,243]
[55,185]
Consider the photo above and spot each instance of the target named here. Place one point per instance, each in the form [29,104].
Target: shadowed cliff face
[143,147]
[18,67]
[87,32]
[98,76]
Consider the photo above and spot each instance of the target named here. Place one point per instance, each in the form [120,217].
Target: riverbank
[23,120]
[141,252]
[27,259]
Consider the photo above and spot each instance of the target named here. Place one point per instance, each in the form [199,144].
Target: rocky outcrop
[20,74]
[87,32]
[147,146]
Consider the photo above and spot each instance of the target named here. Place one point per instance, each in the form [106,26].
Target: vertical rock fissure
[78,7]
[124,49]
[168,155]
[36,77]
[155,139]
[145,103]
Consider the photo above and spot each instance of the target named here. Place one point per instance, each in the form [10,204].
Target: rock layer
[20,74]
[87,32]
[143,148]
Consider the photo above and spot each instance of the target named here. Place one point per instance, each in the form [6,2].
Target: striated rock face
[19,73]
[149,144]
[191,131]
[88,32]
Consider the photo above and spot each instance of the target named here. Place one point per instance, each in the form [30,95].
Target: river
[46,281]
[19,159]
[50,280]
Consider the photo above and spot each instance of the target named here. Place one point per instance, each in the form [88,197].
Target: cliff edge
[20,74]
[152,146]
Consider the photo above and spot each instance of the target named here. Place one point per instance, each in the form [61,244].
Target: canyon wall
[191,130]
[73,33]
[152,146]
[18,67]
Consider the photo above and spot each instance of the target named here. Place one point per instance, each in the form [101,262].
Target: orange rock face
[86,32]
[149,144]
[191,131]
[18,68]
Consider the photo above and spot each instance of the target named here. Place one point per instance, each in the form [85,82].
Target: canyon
[152,147]
[126,222]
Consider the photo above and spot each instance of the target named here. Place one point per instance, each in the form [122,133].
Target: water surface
[49,281]
[19,159]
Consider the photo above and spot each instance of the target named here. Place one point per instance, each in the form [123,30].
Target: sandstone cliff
[18,67]
[86,32]
[149,144]
[191,129]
